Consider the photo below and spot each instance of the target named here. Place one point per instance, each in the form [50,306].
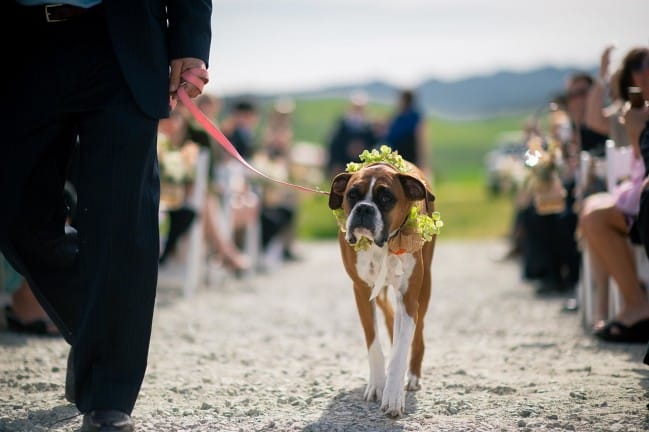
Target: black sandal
[615,331]
[39,327]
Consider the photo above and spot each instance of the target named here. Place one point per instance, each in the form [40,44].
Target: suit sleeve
[190,28]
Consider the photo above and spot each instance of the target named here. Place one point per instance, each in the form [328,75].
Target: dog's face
[376,201]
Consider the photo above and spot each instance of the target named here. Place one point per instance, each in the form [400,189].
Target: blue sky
[283,45]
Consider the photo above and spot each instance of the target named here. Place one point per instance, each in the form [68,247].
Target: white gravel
[284,351]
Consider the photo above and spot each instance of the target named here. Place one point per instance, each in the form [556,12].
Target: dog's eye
[353,195]
[385,198]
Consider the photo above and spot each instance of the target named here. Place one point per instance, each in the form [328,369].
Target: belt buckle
[48,18]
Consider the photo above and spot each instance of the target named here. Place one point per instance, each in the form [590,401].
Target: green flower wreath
[426,226]
[383,155]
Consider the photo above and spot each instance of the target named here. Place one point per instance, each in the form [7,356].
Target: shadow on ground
[348,412]
[47,420]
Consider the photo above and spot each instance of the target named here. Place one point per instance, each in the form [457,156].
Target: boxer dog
[377,201]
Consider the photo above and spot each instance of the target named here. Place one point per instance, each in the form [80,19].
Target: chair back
[196,250]
[618,164]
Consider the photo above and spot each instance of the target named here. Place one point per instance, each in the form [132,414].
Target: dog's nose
[364,210]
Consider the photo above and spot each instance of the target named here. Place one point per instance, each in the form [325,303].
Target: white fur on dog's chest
[398,268]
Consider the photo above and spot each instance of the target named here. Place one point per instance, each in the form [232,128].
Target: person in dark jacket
[352,134]
[405,132]
[102,72]
[241,128]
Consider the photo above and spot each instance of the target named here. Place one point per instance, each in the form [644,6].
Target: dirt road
[284,351]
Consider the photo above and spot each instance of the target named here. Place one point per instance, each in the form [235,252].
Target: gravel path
[284,351]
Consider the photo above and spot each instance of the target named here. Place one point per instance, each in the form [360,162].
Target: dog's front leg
[367,314]
[393,402]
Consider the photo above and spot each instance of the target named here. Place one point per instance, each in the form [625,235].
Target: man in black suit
[100,72]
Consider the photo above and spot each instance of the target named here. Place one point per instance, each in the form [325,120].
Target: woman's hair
[631,63]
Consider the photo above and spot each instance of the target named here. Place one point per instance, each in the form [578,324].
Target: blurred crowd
[578,209]
[234,201]
[404,130]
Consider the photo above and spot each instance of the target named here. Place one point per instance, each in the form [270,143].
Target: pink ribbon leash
[199,78]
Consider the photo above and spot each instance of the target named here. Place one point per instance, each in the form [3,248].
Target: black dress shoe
[107,421]
[70,394]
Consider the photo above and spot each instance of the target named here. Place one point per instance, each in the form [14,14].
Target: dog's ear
[415,189]
[338,186]
[429,196]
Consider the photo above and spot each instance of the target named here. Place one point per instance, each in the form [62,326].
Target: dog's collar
[395,233]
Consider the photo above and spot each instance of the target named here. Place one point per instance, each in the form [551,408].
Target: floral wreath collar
[418,227]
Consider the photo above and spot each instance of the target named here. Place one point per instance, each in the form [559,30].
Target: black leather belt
[62,12]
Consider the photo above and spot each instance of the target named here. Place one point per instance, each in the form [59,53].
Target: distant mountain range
[500,93]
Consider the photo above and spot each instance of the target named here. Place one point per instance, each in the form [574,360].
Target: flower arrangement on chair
[544,181]
[177,170]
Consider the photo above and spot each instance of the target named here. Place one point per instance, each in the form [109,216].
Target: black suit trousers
[68,87]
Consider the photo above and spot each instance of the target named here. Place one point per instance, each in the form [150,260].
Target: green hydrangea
[383,155]
[426,226]
[362,244]
[341,219]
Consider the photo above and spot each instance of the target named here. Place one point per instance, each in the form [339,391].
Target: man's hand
[178,66]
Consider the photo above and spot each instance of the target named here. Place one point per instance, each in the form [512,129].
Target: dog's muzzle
[365,221]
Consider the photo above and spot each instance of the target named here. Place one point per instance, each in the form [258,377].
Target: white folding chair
[195,265]
[618,164]
[586,286]
[232,176]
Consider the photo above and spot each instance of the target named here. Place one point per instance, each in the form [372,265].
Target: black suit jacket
[145,44]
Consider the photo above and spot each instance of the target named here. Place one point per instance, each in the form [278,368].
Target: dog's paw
[414,383]
[374,390]
[394,400]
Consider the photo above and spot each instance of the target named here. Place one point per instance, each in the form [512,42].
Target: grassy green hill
[457,150]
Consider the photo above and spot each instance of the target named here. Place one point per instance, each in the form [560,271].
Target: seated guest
[633,120]
[278,203]
[603,117]
[178,154]
[224,249]
[578,90]
[177,157]
[549,251]
[608,221]
[240,127]
[24,314]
